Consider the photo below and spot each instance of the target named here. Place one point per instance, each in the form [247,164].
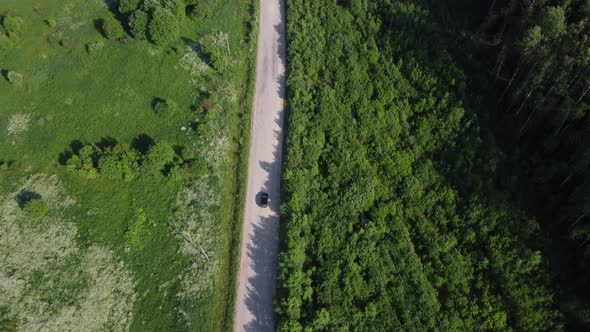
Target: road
[260,230]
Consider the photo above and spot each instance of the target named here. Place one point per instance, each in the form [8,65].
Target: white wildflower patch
[18,123]
[49,283]
[229,92]
[192,62]
[197,233]
[219,39]
[215,149]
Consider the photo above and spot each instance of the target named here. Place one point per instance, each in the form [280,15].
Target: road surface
[260,231]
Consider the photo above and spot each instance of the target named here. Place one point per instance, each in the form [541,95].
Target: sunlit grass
[170,238]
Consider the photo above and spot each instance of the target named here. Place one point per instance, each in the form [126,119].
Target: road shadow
[262,253]
[262,247]
[282,49]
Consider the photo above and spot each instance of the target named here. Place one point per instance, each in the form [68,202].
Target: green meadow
[82,248]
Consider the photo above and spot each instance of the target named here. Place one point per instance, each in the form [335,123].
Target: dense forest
[436,176]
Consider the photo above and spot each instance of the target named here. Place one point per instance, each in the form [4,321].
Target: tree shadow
[4,73]
[106,143]
[143,143]
[97,24]
[75,147]
[25,196]
[198,49]
[263,258]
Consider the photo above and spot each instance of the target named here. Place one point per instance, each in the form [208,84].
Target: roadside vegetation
[401,209]
[119,128]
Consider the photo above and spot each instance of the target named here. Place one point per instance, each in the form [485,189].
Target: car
[264,199]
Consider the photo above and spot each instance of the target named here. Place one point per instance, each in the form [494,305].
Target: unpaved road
[260,231]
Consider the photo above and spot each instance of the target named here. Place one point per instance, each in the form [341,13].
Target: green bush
[11,29]
[128,6]
[119,162]
[5,42]
[122,162]
[15,78]
[159,156]
[36,209]
[219,61]
[163,28]
[138,23]
[111,28]
[176,7]
[51,22]
[163,106]
[94,47]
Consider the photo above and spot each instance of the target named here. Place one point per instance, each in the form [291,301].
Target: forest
[435,175]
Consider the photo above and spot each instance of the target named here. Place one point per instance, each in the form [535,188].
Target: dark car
[264,199]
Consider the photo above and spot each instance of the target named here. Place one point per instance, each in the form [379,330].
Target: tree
[138,23]
[163,27]
[11,29]
[129,6]
[159,156]
[553,22]
[531,42]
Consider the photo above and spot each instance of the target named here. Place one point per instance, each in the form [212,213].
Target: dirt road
[260,231]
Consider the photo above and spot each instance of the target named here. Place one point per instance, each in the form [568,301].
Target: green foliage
[164,107]
[68,94]
[84,162]
[14,78]
[138,231]
[163,27]
[94,47]
[214,46]
[159,156]
[381,233]
[111,28]
[11,30]
[138,22]
[36,209]
[531,42]
[121,162]
[129,6]
[553,22]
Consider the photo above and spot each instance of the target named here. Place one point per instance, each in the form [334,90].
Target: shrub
[36,209]
[94,47]
[51,22]
[5,42]
[159,156]
[128,6]
[163,106]
[15,78]
[215,47]
[120,162]
[163,28]
[11,28]
[138,22]
[111,28]
[84,162]
[176,7]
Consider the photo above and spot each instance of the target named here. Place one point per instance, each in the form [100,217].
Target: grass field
[150,254]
